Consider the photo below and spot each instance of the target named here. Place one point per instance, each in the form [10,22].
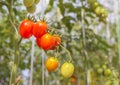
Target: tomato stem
[57,51]
[70,58]
[15,28]
[56,31]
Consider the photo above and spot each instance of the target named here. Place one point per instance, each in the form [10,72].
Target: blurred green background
[89,32]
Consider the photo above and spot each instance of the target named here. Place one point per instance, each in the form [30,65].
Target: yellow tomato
[67,69]
[51,63]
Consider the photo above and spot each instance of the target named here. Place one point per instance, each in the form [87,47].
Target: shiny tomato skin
[46,42]
[51,64]
[67,69]
[39,29]
[26,28]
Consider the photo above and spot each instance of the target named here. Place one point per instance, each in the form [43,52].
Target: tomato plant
[26,28]
[46,42]
[67,69]
[84,34]
[40,28]
[51,63]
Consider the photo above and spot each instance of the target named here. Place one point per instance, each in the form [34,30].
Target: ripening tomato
[26,28]
[51,63]
[46,42]
[39,29]
[57,40]
[67,69]
[73,79]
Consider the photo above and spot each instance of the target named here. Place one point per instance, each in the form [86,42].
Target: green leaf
[61,6]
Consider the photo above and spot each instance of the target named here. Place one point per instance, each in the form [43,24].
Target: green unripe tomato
[31,9]
[91,1]
[102,10]
[28,3]
[37,1]
[95,5]
[96,66]
[104,66]
[105,14]
[99,70]
[107,72]
[97,10]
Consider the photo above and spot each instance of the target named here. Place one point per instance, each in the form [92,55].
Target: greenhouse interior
[59,42]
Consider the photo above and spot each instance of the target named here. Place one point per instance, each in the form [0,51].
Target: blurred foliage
[78,22]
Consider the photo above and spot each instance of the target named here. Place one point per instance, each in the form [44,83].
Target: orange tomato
[57,40]
[46,42]
[51,63]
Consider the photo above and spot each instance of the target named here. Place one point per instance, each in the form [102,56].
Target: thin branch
[70,58]
[14,27]
[43,76]
[19,42]
[18,79]
[84,44]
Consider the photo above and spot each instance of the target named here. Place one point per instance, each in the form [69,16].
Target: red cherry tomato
[39,29]
[26,28]
[46,42]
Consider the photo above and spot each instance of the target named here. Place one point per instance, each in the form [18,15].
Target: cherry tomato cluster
[31,5]
[103,70]
[67,68]
[46,41]
[100,11]
[39,29]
